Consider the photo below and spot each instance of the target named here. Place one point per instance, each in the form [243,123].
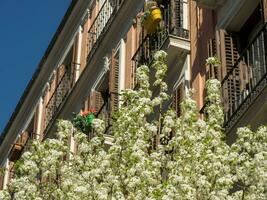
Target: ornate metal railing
[60,93]
[245,81]
[101,22]
[172,25]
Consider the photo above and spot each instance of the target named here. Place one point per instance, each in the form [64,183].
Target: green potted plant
[83,121]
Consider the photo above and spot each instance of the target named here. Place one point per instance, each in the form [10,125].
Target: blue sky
[26,28]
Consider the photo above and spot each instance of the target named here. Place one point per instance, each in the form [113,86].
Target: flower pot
[152,21]
[156,15]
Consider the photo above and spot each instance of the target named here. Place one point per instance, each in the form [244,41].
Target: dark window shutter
[229,56]
[265,10]
[2,176]
[96,101]
[177,99]
[176,15]
[231,53]
[114,82]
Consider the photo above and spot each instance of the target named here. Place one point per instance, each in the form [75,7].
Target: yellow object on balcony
[156,15]
[153,20]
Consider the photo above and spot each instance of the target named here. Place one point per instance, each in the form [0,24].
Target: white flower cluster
[213,61]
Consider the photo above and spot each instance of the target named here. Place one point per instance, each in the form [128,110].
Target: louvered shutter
[96,101]
[265,10]
[2,176]
[177,99]
[114,82]
[229,56]
[229,46]
[176,15]
[212,71]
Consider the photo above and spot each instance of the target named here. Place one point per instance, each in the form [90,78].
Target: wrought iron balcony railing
[59,95]
[246,79]
[101,22]
[172,25]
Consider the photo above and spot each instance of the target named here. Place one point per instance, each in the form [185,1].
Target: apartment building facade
[100,43]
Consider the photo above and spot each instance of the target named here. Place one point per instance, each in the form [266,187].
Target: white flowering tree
[195,163]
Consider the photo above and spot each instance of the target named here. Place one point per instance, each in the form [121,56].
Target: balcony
[212,4]
[101,24]
[61,92]
[171,37]
[244,88]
